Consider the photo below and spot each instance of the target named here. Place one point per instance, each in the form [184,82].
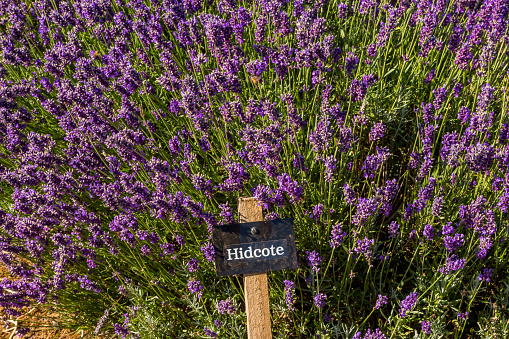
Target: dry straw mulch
[44,322]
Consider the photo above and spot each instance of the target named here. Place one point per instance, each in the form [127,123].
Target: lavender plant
[129,128]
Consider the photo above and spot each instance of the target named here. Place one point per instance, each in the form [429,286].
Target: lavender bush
[129,129]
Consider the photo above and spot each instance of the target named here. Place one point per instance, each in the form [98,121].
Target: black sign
[254,247]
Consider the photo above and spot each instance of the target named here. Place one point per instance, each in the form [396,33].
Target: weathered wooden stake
[256,288]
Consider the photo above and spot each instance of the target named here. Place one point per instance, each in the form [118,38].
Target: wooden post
[256,288]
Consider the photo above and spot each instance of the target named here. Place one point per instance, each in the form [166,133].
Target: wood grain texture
[249,211]
[256,288]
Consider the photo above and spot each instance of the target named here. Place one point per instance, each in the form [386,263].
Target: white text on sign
[264,250]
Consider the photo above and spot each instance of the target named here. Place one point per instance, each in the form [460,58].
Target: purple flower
[408,303]
[371,51]
[453,263]
[376,334]
[350,195]
[45,82]
[145,250]
[415,160]
[486,274]
[264,195]
[427,112]
[452,243]
[313,260]
[455,40]
[497,183]
[208,251]
[121,330]
[428,232]
[463,56]
[463,316]
[330,167]
[195,286]
[426,327]
[385,194]
[479,157]
[167,249]
[374,162]
[382,300]
[344,138]
[317,211]
[393,229]
[237,176]
[424,195]
[298,162]
[503,201]
[427,137]
[440,96]
[377,132]
[342,10]
[291,188]
[457,89]
[226,306]
[503,158]
[202,184]
[464,115]
[479,215]
[437,205]
[485,243]
[366,5]
[351,62]
[209,332]
[289,297]
[363,246]
[101,321]
[192,265]
[256,67]
[320,139]
[365,209]
[451,149]
[217,32]
[226,213]
[482,119]
[358,89]
[180,240]
[447,229]
[320,300]
[430,77]
[504,133]
[337,235]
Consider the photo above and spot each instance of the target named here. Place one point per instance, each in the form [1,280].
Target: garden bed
[129,129]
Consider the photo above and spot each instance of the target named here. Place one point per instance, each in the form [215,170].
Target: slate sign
[254,247]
